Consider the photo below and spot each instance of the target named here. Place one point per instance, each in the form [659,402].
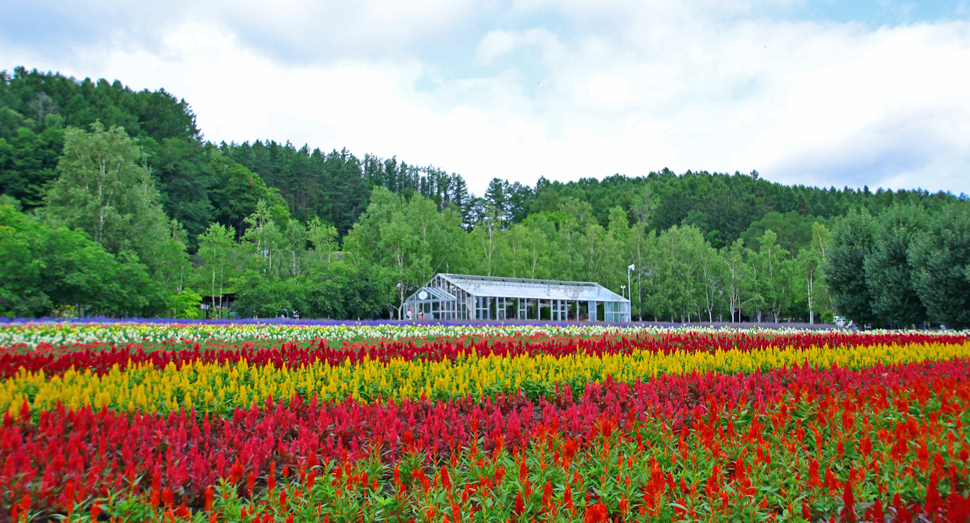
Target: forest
[113,203]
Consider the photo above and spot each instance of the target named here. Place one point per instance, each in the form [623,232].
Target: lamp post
[629,269]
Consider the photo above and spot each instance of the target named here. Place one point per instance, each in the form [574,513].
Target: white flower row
[120,334]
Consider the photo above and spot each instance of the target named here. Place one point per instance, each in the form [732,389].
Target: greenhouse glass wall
[463,297]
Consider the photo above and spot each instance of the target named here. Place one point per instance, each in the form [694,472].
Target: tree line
[94,174]
[903,267]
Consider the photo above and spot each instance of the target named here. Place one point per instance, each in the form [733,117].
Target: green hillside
[331,234]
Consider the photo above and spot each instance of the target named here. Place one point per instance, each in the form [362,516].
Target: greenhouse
[464,297]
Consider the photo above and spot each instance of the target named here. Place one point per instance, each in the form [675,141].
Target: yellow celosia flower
[211,387]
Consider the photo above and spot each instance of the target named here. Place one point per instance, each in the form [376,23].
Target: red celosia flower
[569,450]
[422,479]
[567,499]
[713,486]
[813,480]
[237,472]
[877,513]
[519,506]
[445,479]
[25,412]
[157,481]
[69,498]
[848,502]
[933,501]
[902,513]
[595,514]
[830,481]
[606,428]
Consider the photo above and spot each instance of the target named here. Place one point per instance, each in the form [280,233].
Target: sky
[822,93]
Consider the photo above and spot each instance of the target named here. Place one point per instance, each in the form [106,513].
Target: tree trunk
[810,282]
[213,297]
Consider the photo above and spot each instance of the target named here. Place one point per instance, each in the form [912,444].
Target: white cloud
[894,114]
[610,88]
[316,29]
[496,44]
[626,87]
[499,43]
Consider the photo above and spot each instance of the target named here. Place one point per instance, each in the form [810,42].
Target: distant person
[408,315]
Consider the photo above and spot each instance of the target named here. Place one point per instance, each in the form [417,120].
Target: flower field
[445,423]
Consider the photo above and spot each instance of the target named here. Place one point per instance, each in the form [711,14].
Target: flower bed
[493,425]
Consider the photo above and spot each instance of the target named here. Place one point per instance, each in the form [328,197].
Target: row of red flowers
[100,358]
[779,442]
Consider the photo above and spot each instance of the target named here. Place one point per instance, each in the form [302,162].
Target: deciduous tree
[941,257]
[852,240]
[889,275]
[105,189]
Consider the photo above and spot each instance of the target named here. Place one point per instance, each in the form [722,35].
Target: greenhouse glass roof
[537,289]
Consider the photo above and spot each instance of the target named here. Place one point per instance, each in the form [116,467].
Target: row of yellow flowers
[219,387]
